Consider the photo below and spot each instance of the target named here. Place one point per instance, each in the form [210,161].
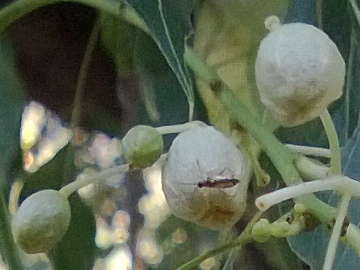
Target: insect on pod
[221,183]
[205,178]
[217,182]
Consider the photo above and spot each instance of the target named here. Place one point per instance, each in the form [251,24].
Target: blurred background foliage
[125,223]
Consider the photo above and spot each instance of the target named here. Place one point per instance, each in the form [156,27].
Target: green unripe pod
[41,221]
[142,146]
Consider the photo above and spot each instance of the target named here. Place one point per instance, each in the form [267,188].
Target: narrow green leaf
[11,104]
[155,80]
[169,24]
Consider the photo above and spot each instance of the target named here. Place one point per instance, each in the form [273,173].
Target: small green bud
[280,228]
[41,221]
[299,210]
[261,230]
[142,146]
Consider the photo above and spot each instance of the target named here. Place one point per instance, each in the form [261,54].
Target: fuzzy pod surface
[299,72]
[197,161]
[142,146]
[41,221]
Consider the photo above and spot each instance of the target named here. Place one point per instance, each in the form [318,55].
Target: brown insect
[218,183]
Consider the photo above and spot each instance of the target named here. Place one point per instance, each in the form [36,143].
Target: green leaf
[12,101]
[118,38]
[11,104]
[155,80]
[278,254]
[311,248]
[168,22]
[77,249]
[353,76]
[302,11]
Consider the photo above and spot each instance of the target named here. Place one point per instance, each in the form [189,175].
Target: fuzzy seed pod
[41,221]
[204,178]
[299,71]
[142,146]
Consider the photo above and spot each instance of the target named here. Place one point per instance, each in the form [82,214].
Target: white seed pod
[41,221]
[205,179]
[299,72]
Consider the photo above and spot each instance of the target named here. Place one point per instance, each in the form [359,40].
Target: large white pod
[205,178]
[299,71]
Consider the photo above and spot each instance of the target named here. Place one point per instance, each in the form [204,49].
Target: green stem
[340,183]
[309,169]
[244,238]
[335,235]
[280,156]
[356,10]
[278,153]
[8,247]
[335,168]
[262,178]
[81,82]
[18,9]
[79,93]
[309,151]
[82,182]
[179,128]
[353,237]
[335,163]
